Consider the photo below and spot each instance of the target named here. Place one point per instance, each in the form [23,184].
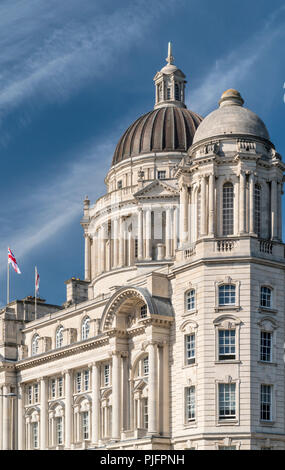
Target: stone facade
[175,338]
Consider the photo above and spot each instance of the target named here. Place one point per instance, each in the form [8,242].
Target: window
[177,94]
[227,401]
[120,184]
[145,366]
[168,94]
[85,330]
[145,413]
[53,388]
[227,447]
[257,210]
[227,341]
[106,375]
[60,387]
[190,300]
[85,424]
[190,349]
[78,382]
[266,402]
[36,393]
[35,345]
[86,380]
[59,431]
[265,297]
[35,435]
[190,403]
[265,346]
[59,337]
[143,311]
[30,395]
[161,175]
[227,295]
[228,209]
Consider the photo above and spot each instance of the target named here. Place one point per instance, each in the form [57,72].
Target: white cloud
[231,71]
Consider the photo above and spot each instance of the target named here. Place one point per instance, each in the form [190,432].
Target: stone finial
[231,97]
[169,59]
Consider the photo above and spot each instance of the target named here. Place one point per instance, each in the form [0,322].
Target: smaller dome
[231,118]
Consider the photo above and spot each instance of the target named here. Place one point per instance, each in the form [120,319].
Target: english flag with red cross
[12,260]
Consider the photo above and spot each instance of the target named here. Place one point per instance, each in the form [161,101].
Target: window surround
[232,421]
[227,281]
[227,322]
[186,312]
[271,309]
[268,325]
[270,422]
[189,327]
[192,421]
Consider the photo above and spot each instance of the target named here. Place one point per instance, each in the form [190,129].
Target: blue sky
[75,74]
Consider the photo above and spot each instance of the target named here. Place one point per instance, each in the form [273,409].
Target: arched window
[266,297]
[35,345]
[59,337]
[85,328]
[228,209]
[257,210]
[177,94]
[168,93]
[227,294]
[190,300]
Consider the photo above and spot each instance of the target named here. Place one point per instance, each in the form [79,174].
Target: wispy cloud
[48,49]
[232,70]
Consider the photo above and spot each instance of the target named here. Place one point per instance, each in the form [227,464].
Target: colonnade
[122,404]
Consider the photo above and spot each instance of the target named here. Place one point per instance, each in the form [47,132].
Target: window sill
[189,312]
[190,424]
[228,361]
[227,422]
[267,310]
[267,363]
[267,423]
[226,308]
[188,366]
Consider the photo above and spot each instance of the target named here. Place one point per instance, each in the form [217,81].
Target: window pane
[190,300]
[266,402]
[227,340]
[227,401]
[265,346]
[228,209]
[190,349]
[190,403]
[265,297]
[227,294]
[257,210]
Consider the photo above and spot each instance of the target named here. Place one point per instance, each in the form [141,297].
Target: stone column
[68,408]
[148,235]
[95,402]
[175,229]
[242,183]
[93,258]
[116,395]
[251,203]
[6,427]
[203,207]
[115,242]
[87,257]
[152,389]
[21,444]
[140,233]
[168,233]
[183,209]
[122,243]
[279,192]
[43,422]
[212,205]
[130,255]
[165,392]
[274,214]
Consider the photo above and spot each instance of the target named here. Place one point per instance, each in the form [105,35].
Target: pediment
[157,189]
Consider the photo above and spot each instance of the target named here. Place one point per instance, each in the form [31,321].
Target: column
[165,393]
[251,203]
[115,242]
[21,444]
[68,408]
[99,254]
[175,229]
[274,215]
[148,240]
[6,437]
[242,181]
[87,257]
[43,422]
[116,395]
[122,243]
[183,208]
[93,258]
[168,233]
[212,205]
[152,389]
[130,249]
[140,234]
[203,206]
[279,192]
[95,402]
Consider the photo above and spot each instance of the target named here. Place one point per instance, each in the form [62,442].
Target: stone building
[175,337]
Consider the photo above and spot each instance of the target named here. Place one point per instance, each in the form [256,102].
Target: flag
[37,281]
[12,260]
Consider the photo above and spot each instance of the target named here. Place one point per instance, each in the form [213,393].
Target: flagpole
[35,292]
[8,283]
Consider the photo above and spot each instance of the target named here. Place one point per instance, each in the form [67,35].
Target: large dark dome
[165,129]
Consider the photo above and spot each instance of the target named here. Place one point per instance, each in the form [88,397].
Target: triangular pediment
[157,189]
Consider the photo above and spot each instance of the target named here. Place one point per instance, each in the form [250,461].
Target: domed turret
[231,118]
